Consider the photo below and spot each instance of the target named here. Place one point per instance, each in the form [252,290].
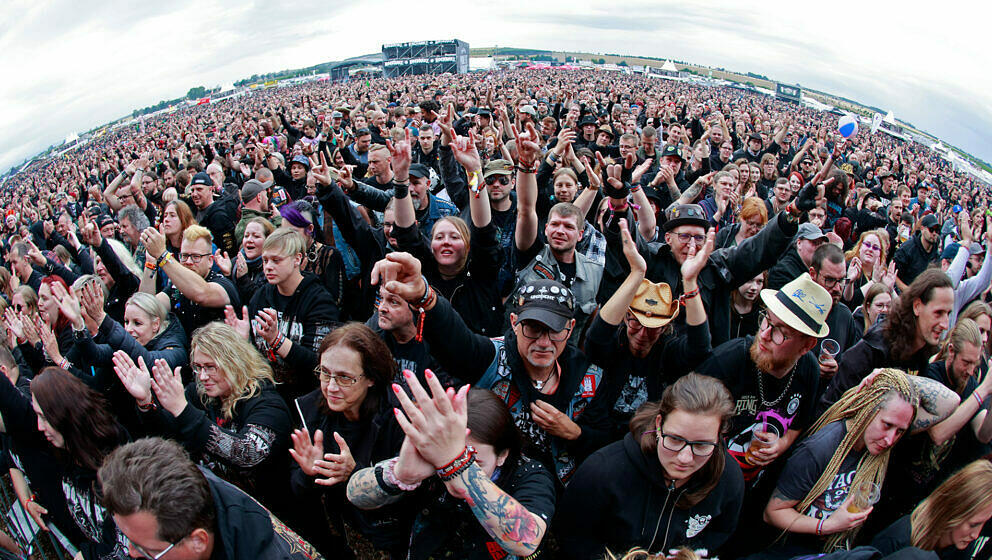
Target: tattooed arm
[517,530]
[366,492]
[937,402]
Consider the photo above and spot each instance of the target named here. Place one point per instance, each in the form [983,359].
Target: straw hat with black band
[653,305]
[802,304]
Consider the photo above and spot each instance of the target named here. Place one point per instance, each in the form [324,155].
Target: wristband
[386,486]
[147,407]
[64,364]
[527,168]
[688,295]
[164,258]
[389,475]
[978,398]
[553,156]
[635,188]
[457,465]
[151,266]
[475,183]
[819,527]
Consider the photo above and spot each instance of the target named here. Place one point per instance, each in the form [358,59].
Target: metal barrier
[17,524]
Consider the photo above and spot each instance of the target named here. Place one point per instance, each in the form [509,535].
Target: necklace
[761,388]
[540,384]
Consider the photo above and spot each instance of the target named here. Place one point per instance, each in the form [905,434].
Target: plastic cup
[829,349]
[763,435]
[863,496]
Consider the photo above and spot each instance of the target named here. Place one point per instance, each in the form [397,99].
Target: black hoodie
[619,499]
[304,318]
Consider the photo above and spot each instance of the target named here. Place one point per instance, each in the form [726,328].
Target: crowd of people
[521,314]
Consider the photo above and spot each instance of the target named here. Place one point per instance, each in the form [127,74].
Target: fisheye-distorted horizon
[71,66]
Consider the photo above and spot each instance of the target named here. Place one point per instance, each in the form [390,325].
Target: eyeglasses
[340,380]
[492,179]
[194,258]
[198,369]
[778,332]
[871,246]
[685,238]
[830,281]
[534,332]
[676,444]
[145,554]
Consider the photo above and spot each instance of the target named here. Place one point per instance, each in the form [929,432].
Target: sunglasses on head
[503,179]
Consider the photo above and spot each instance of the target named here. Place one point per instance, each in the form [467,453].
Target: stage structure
[425,57]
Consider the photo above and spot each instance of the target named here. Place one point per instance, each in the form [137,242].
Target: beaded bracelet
[389,475]
[457,465]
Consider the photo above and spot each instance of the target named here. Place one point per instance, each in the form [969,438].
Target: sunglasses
[502,179]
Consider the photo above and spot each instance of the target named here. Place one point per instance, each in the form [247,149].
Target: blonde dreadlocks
[859,406]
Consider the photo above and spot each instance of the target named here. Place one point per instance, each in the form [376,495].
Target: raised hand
[634,258]
[400,153]
[240,324]
[266,325]
[305,452]
[322,173]
[528,149]
[436,424]
[223,262]
[336,467]
[400,274]
[697,258]
[68,305]
[466,153]
[91,297]
[135,378]
[168,387]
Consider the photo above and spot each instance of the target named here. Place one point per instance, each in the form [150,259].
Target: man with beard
[773,377]
[828,269]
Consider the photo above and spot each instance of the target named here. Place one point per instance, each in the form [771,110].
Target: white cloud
[71,67]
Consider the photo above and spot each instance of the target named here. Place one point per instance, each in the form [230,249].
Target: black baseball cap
[419,170]
[202,178]
[547,302]
[672,150]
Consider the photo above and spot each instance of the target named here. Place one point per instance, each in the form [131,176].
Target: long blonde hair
[859,406]
[241,364]
[956,500]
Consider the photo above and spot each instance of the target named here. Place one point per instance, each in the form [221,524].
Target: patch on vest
[588,386]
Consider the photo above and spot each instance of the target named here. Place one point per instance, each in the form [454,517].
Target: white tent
[668,67]
[889,119]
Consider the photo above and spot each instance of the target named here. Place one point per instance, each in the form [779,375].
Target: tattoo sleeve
[692,192]
[515,528]
[364,490]
[937,402]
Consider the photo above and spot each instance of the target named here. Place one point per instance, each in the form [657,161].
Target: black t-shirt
[447,528]
[193,315]
[220,218]
[787,403]
[927,464]
[808,462]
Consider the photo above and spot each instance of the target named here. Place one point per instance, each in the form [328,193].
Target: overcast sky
[69,66]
